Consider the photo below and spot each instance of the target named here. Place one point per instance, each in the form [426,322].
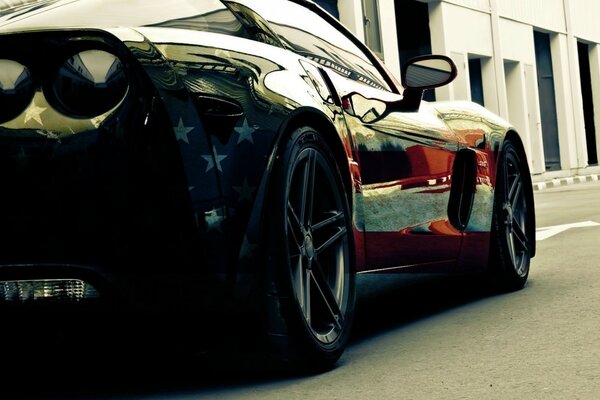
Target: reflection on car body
[236,158]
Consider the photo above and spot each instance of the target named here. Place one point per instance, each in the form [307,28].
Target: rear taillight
[88,84]
[16,89]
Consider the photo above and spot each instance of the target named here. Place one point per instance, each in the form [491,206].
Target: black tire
[310,271]
[512,228]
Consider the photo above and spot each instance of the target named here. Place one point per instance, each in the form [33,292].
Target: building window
[414,37]
[330,6]
[588,101]
[547,96]
[476,80]
[372,26]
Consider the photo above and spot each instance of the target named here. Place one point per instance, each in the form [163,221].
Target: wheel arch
[285,328]
[516,140]
[303,116]
[324,125]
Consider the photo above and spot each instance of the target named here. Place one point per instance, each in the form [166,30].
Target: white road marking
[549,231]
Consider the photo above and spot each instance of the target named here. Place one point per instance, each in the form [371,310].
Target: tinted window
[311,36]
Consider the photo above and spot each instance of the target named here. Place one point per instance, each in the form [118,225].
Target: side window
[311,36]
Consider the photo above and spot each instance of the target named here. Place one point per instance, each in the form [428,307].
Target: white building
[534,62]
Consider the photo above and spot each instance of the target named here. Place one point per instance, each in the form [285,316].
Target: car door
[405,159]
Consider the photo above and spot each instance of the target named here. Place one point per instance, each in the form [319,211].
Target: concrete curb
[539,186]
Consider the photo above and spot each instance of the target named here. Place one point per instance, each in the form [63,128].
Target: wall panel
[584,17]
[545,14]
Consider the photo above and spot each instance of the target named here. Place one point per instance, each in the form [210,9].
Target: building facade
[534,62]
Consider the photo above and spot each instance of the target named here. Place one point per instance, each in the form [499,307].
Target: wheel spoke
[327,294]
[519,234]
[294,226]
[334,218]
[295,218]
[511,247]
[300,283]
[338,235]
[515,192]
[306,307]
[506,181]
[308,186]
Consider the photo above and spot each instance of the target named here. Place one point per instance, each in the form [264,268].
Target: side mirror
[428,72]
[418,74]
[422,73]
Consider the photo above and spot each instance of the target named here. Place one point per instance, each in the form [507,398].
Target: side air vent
[463,189]
[219,115]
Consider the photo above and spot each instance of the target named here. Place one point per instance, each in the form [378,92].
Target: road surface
[414,337]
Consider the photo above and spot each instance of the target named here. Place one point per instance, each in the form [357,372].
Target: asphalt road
[414,338]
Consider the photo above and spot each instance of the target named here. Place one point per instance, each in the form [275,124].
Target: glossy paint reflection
[406,165]
[219,75]
[86,190]
[205,15]
[483,132]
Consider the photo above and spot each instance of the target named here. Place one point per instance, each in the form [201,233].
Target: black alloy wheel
[512,233]
[314,281]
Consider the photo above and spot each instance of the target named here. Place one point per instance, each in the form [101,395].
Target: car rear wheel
[512,230]
[310,278]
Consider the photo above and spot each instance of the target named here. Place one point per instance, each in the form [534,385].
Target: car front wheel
[310,278]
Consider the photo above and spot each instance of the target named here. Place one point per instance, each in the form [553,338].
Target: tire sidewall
[501,264]
[279,274]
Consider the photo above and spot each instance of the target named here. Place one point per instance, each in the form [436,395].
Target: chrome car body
[157,184]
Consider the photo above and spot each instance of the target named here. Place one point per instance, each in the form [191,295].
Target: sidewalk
[543,185]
